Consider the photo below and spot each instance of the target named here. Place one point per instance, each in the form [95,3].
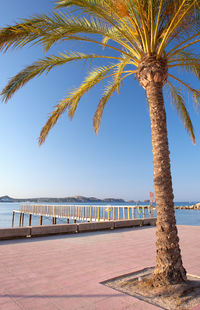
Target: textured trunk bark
[169,268]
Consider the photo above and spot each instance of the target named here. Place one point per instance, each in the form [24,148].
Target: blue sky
[73,160]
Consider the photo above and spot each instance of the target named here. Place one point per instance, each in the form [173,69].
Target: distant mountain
[74,199]
[6,199]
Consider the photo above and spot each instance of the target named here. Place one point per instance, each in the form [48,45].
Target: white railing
[88,212]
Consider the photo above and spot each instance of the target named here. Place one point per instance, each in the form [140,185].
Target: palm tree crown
[136,29]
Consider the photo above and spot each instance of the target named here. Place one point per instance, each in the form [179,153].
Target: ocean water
[183,217]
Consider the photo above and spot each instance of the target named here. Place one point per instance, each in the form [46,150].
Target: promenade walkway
[64,272]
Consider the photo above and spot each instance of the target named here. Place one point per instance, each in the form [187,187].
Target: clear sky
[73,160]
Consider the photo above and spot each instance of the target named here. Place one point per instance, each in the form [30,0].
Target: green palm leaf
[109,91]
[22,33]
[188,61]
[195,94]
[42,65]
[177,99]
[72,100]
[72,25]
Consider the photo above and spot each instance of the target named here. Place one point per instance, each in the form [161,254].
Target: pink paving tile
[103,305]
[4,299]
[196,307]
[27,302]
[75,300]
[14,285]
[117,302]
[122,305]
[64,272]
[141,305]
[10,306]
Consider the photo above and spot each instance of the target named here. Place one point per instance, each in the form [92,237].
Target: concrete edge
[47,230]
[57,229]
[128,223]
[94,226]
[149,221]
[14,233]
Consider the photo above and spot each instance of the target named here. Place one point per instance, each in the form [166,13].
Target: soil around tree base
[178,296]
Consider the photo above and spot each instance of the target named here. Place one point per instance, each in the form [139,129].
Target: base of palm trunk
[141,284]
[168,276]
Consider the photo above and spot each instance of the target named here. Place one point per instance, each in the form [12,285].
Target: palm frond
[177,99]
[140,7]
[52,120]
[18,35]
[72,25]
[79,3]
[72,100]
[48,30]
[195,94]
[126,21]
[188,61]
[94,77]
[105,10]
[119,70]
[42,65]
[109,91]
[194,67]
[92,40]
[136,24]
[181,11]
[184,57]
[177,50]
[158,20]
[135,49]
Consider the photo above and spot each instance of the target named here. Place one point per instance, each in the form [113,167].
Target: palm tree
[148,39]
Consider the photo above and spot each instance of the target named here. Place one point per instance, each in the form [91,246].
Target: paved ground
[64,272]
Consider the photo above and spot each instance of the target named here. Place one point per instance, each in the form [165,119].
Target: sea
[183,217]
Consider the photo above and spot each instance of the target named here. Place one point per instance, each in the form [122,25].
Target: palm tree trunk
[169,268]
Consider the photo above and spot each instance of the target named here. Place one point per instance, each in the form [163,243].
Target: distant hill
[6,199]
[80,199]
[73,199]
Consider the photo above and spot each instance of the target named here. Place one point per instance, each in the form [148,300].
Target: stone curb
[37,231]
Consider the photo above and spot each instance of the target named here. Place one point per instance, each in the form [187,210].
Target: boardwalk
[64,273]
[84,213]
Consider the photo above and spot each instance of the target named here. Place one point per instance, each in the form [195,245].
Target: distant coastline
[73,199]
